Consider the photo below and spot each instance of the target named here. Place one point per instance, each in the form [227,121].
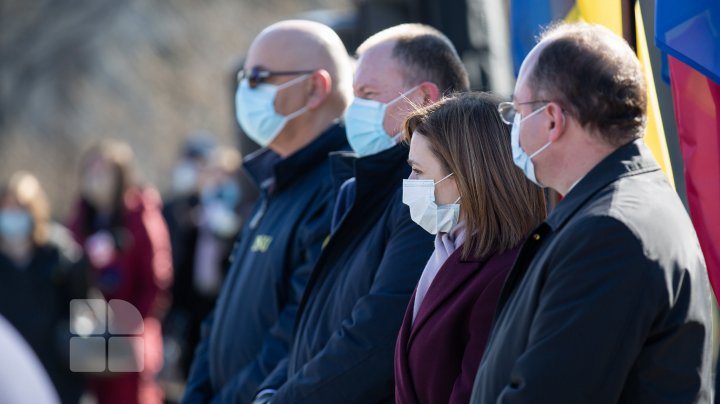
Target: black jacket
[35,299]
[608,300]
[353,306]
[249,330]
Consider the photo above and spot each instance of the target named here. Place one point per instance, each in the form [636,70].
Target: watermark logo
[107,336]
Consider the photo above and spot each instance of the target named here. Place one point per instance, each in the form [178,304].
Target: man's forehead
[528,64]
[279,51]
[377,68]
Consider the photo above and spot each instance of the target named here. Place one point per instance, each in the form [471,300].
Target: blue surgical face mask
[255,110]
[185,177]
[15,224]
[419,195]
[522,159]
[364,121]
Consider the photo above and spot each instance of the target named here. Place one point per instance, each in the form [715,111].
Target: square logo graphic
[106,336]
[87,354]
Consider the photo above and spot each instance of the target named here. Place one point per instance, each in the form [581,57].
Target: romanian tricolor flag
[689,32]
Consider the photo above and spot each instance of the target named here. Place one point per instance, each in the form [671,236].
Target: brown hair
[498,204]
[425,54]
[26,190]
[596,78]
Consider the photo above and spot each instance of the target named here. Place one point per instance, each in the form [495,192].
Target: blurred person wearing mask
[343,347]
[465,190]
[608,300]
[182,211]
[217,224]
[292,93]
[40,272]
[120,225]
[181,205]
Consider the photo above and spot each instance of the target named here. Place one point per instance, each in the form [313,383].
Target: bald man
[294,87]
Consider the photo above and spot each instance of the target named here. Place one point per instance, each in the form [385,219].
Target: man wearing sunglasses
[291,94]
[344,343]
[608,300]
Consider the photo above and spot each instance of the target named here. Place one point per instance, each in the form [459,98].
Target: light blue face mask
[364,121]
[255,110]
[15,224]
[522,159]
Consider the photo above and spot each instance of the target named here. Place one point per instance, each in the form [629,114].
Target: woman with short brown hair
[464,188]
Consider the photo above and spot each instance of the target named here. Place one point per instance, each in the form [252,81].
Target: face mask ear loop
[540,150]
[300,111]
[296,114]
[291,82]
[457,200]
[403,95]
[537,111]
[444,178]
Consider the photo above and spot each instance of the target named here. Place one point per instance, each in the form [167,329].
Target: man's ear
[321,85]
[430,93]
[557,122]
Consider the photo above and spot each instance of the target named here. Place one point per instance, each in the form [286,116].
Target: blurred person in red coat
[125,238]
[465,189]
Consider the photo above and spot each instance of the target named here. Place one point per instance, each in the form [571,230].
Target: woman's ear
[321,87]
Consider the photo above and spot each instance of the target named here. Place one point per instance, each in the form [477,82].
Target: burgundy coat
[140,273]
[437,357]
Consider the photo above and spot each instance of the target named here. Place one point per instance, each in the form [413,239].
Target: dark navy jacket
[353,306]
[250,328]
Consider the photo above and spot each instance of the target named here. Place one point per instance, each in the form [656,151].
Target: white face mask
[520,157]
[419,195]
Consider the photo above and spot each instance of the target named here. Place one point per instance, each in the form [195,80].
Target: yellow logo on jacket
[261,243]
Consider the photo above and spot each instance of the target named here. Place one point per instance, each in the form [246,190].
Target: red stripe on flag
[696,99]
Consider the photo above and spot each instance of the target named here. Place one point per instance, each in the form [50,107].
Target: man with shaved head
[608,300]
[291,93]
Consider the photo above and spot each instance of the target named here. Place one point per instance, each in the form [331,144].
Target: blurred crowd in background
[117,245]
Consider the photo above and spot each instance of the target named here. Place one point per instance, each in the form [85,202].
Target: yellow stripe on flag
[654,133]
[573,14]
[606,12]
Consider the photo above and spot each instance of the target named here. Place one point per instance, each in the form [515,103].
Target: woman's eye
[416,171]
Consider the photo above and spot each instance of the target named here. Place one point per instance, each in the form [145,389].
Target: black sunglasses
[258,75]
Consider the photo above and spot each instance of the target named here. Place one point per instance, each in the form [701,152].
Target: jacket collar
[273,173]
[632,159]
[454,273]
[376,175]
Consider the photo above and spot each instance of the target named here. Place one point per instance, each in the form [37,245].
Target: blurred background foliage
[148,72]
